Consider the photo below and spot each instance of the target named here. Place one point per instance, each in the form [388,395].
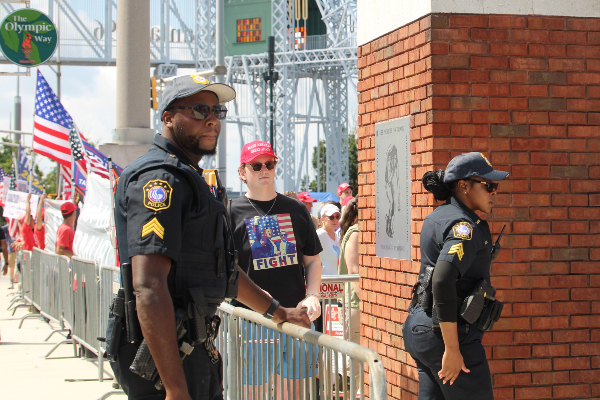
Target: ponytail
[434,182]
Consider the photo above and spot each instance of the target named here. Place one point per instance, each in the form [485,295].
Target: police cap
[471,164]
[187,85]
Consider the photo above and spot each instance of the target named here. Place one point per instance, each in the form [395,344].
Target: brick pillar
[525,91]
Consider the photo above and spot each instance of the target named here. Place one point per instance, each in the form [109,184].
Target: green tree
[321,160]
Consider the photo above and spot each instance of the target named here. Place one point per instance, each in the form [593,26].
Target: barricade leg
[67,341]
[111,393]
[28,315]
[17,300]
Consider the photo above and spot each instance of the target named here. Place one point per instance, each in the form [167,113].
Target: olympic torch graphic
[26,46]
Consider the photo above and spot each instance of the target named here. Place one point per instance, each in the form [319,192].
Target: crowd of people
[31,233]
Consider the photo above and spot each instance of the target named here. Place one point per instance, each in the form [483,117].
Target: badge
[153,227]
[462,230]
[458,250]
[486,160]
[200,79]
[157,195]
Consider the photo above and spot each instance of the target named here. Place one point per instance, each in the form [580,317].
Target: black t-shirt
[454,233]
[271,247]
[2,235]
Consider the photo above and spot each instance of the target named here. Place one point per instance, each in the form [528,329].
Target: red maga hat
[254,149]
[305,197]
[67,208]
[343,187]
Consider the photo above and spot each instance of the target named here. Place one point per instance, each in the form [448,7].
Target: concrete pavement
[26,374]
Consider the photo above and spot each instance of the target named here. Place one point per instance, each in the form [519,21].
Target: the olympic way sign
[28,37]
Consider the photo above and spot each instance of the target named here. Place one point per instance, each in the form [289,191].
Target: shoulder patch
[157,195]
[458,250]
[153,227]
[462,230]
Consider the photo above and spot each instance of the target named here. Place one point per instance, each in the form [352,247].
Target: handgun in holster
[118,309]
[481,306]
[134,331]
[422,293]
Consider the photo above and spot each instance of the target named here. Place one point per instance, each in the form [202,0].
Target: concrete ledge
[379,17]
[124,154]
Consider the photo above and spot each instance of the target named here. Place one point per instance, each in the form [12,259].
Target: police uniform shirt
[454,233]
[158,211]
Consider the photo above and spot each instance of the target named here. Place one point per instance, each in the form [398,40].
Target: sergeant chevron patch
[153,226]
[458,250]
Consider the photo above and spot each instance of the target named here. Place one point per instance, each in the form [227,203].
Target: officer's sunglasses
[490,186]
[258,166]
[201,111]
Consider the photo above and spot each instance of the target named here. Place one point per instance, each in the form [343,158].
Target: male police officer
[173,231]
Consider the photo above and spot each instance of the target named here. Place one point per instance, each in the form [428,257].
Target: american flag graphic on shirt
[272,241]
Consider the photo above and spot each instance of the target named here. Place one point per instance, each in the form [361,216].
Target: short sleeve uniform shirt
[454,233]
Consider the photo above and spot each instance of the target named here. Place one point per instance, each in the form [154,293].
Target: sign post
[28,37]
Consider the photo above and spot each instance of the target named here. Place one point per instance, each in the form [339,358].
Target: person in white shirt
[330,240]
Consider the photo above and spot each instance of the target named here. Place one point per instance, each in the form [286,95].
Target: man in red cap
[308,201]
[39,228]
[343,191]
[65,232]
[277,243]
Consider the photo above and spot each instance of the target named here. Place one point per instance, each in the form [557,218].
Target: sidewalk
[24,372]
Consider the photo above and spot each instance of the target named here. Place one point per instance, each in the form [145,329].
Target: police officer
[171,228]
[456,253]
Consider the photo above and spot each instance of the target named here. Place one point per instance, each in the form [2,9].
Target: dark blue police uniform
[452,233]
[163,206]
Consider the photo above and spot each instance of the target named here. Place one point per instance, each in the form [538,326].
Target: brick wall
[525,91]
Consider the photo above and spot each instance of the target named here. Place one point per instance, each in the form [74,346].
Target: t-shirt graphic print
[272,241]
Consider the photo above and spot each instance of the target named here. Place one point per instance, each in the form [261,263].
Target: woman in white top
[330,240]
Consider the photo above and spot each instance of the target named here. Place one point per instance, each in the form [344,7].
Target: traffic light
[153,94]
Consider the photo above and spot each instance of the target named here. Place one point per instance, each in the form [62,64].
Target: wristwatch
[269,313]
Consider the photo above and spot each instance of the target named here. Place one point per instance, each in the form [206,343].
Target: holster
[118,309]
[422,291]
[481,306]
[134,331]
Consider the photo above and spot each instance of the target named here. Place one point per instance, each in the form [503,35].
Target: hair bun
[433,181]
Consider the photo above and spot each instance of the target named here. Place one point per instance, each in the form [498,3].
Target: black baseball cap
[187,85]
[471,164]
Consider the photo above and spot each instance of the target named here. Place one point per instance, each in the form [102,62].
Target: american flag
[77,150]
[51,125]
[98,161]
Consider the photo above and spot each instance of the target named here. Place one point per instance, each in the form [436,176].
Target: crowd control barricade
[24,295]
[256,345]
[110,282]
[335,304]
[86,301]
[50,299]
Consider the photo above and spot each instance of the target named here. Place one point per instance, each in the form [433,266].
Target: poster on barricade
[53,218]
[16,202]
[333,325]
[332,290]
[93,234]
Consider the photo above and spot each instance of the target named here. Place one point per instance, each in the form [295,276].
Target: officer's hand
[312,305]
[296,316]
[496,250]
[452,364]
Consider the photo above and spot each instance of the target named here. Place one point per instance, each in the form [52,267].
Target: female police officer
[456,252]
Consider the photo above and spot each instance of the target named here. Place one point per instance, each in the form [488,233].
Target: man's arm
[28,218]
[260,301]
[351,256]
[62,250]
[38,214]
[313,268]
[157,320]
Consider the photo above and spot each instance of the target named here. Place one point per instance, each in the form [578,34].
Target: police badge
[157,195]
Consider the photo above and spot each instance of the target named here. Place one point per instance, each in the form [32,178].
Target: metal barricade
[261,355]
[86,301]
[35,278]
[66,290]
[49,282]
[23,294]
[110,278]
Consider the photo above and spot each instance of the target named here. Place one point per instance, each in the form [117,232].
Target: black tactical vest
[198,262]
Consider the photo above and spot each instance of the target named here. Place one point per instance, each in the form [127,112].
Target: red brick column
[525,91]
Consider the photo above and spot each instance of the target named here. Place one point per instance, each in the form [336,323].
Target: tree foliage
[319,158]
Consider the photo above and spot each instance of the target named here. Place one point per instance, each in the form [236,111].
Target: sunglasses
[201,111]
[490,186]
[258,166]
[334,216]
